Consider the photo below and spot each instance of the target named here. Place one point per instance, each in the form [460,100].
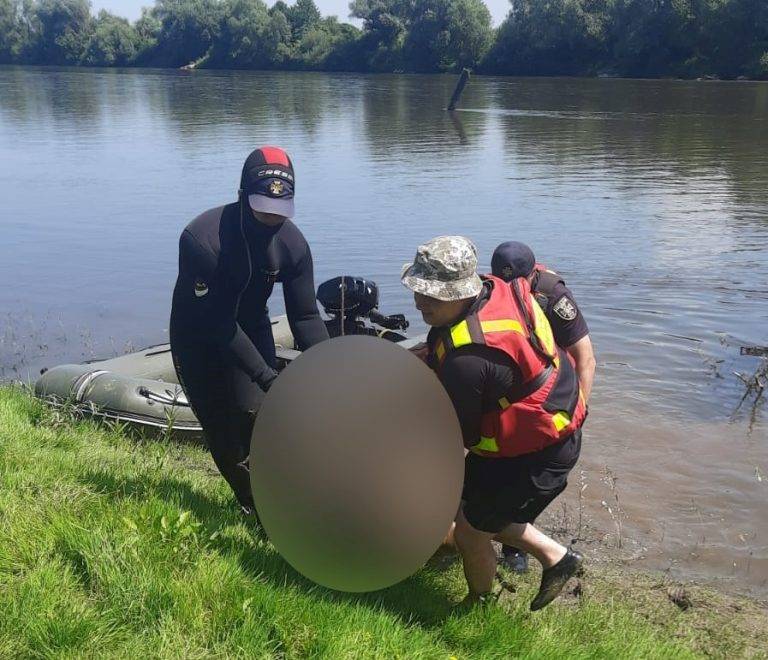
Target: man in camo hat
[493,350]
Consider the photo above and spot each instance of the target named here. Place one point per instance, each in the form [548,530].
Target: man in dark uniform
[513,259]
[221,335]
[518,402]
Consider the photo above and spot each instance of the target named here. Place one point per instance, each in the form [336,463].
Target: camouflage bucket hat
[444,268]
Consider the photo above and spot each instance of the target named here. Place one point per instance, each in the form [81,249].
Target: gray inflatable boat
[143,390]
[140,388]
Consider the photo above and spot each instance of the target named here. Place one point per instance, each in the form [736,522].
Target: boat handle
[170,401]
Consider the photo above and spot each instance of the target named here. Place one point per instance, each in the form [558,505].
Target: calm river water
[651,197]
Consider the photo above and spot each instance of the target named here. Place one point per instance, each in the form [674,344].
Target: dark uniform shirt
[559,305]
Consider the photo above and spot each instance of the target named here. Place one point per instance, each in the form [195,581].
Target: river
[650,197]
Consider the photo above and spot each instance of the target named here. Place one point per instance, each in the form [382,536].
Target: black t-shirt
[558,303]
[476,377]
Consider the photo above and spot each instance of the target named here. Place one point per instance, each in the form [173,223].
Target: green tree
[280,6]
[346,54]
[64,30]
[385,27]
[13,40]
[762,66]
[113,42]
[327,45]
[552,37]
[148,29]
[446,35]
[652,37]
[277,39]
[302,17]
[727,38]
[724,49]
[188,29]
[243,35]
[423,35]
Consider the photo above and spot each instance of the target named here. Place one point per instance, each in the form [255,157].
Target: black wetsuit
[221,333]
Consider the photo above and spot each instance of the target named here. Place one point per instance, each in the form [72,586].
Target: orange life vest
[548,406]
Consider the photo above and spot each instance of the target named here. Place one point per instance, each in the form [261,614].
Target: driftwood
[756,384]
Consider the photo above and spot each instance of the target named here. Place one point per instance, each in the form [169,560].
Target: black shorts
[500,491]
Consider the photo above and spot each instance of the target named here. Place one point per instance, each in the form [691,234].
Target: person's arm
[476,377]
[572,333]
[213,313]
[584,356]
[463,377]
[307,326]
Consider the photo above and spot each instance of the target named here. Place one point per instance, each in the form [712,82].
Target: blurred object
[356,464]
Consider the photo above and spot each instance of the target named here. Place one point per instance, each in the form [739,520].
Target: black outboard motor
[348,299]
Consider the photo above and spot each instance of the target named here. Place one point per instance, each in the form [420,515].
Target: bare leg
[478,555]
[449,539]
[526,537]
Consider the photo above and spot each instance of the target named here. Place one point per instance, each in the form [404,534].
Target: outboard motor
[348,299]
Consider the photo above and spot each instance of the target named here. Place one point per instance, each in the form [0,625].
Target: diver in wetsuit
[221,335]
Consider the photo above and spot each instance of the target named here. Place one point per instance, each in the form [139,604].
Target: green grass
[122,547]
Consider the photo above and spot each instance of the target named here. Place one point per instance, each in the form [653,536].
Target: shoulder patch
[201,288]
[565,309]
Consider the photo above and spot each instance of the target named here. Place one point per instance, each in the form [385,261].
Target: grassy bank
[113,546]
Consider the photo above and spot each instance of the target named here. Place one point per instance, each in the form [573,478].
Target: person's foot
[553,579]
[475,600]
[513,559]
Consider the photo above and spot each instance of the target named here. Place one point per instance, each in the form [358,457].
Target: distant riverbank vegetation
[636,38]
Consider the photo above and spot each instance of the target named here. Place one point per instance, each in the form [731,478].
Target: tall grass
[122,547]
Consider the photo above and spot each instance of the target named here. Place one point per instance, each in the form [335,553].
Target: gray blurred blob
[357,463]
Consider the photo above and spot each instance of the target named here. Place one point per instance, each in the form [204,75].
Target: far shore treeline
[637,38]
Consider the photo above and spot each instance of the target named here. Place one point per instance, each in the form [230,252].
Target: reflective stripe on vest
[544,331]
[560,420]
[460,335]
[487,444]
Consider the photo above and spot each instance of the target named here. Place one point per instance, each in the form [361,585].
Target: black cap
[511,260]
[268,181]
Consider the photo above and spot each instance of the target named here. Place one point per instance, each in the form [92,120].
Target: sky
[131,9]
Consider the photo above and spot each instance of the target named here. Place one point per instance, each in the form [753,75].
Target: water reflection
[651,130]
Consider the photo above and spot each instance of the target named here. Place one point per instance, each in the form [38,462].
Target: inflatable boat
[142,388]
